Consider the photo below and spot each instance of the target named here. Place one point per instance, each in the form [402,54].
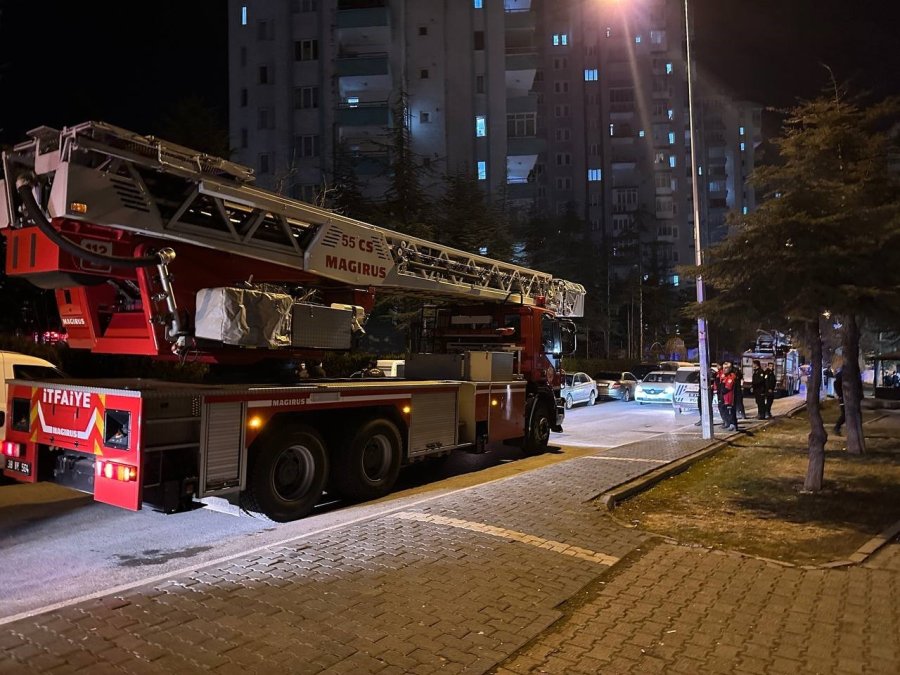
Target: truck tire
[537,435]
[287,474]
[367,461]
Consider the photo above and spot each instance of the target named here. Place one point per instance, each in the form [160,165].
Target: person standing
[769,390]
[725,389]
[738,393]
[839,393]
[758,386]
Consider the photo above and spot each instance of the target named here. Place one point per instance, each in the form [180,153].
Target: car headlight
[670,390]
[639,388]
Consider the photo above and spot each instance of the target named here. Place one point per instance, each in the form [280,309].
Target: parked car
[578,388]
[641,370]
[656,387]
[14,365]
[619,385]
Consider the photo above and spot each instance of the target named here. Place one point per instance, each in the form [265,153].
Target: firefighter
[758,386]
[725,383]
[769,390]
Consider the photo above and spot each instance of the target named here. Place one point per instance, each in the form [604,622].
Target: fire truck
[784,359]
[156,249]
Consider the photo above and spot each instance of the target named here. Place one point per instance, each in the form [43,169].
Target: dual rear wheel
[290,467]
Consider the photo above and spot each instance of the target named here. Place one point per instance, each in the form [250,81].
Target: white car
[578,388]
[656,387]
[687,391]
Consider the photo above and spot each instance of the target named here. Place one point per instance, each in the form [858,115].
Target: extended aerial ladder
[95,211]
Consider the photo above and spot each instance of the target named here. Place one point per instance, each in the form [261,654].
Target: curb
[611,498]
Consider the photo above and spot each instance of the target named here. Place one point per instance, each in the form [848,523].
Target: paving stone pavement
[524,574]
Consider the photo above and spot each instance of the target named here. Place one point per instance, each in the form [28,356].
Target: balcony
[525,145]
[521,104]
[526,59]
[363,18]
[375,114]
[362,64]
[522,19]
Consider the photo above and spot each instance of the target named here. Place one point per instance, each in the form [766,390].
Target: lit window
[612,130]
[556,39]
[480,126]
[594,175]
[479,4]
[742,131]
[353,101]
[641,133]
[565,39]
[675,280]
[672,161]
[244,15]
[745,210]
[637,39]
[671,138]
[668,69]
[483,250]
[743,146]
[590,74]
[670,114]
[560,39]
[699,170]
[482,170]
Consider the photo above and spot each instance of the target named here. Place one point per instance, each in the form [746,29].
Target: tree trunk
[815,470]
[856,442]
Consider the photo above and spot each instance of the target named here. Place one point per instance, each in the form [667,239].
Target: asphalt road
[57,545]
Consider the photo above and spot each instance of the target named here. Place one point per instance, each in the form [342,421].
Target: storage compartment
[321,327]
[471,366]
[244,317]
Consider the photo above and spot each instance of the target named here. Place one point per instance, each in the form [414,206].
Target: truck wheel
[367,463]
[537,436]
[288,475]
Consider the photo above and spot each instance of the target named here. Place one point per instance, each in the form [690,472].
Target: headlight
[670,390]
[639,388]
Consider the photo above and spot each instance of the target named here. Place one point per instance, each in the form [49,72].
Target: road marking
[629,459]
[503,533]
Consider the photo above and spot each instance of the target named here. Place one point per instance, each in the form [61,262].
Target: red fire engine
[156,249]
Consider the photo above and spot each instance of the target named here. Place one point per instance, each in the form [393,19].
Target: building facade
[564,106]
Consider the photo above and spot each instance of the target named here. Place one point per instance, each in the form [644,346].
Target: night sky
[129,63]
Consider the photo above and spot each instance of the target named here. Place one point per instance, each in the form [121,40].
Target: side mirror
[569,338]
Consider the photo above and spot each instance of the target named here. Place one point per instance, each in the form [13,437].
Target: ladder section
[109,176]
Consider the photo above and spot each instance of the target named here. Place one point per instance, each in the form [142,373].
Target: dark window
[264,75]
[423,30]
[306,97]
[263,164]
[244,138]
[306,50]
[423,74]
[243,56]
[479,40]
[479,84]
[244,97]
[306,146]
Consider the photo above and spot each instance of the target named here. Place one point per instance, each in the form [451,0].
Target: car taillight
[615,385]
[115,471]
[11,449]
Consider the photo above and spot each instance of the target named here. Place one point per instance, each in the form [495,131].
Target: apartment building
[573,106]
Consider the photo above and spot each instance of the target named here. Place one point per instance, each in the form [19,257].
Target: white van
[687,391]
[22,367]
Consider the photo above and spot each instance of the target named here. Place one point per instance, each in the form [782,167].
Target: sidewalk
[524,574]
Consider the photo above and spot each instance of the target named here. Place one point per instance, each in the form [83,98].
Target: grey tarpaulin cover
[244,317]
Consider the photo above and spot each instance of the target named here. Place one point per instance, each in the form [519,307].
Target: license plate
[18,465]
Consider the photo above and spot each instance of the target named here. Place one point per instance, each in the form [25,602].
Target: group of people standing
[730,391]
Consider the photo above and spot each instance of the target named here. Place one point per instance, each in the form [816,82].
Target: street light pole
[706,400]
